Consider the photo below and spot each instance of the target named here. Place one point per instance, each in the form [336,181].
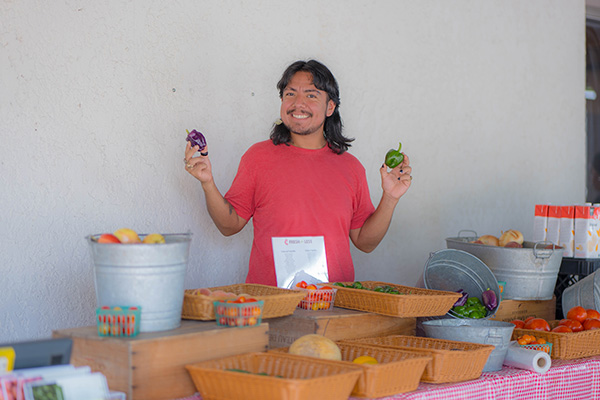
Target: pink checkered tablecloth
[567,379]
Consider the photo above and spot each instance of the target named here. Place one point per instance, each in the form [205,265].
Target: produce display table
[567,379]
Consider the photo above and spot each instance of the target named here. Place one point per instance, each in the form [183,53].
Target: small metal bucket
[584,293]
[452,270]
[496,333]
[147,275]
[530,272]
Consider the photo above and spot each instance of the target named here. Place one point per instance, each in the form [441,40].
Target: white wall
[486,97]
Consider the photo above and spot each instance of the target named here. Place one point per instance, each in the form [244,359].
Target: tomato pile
[317,298]
[243,311]
[578,319]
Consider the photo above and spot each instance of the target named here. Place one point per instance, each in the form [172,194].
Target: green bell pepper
[471,301]
[393,158]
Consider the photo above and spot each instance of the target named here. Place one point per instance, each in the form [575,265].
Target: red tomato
[562,328]
[519,324]
[577,313]
[240,299]
[591,324]
[591,313]
[108,238]
[326,287]
[311,287]
[538,324]
[571,323]
[250,300]
[528,319]
[301,284]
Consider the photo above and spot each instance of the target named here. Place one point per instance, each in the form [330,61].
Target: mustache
[290,112]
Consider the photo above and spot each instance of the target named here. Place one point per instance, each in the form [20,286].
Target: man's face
[303,106]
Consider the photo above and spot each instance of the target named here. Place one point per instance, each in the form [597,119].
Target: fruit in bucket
[313,345]
[108,238]
[127,235]
[154,238]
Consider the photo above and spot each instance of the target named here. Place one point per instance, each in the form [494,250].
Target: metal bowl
[496,333]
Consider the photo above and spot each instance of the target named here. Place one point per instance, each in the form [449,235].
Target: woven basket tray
[566,345]
[452,361]
[278,302]
[397,371]
[287,377]
[413,302]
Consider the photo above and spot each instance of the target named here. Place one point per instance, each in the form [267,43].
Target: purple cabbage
[196,139]
[489,299]
[463,299]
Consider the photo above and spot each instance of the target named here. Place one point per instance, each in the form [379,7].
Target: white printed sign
[299,258]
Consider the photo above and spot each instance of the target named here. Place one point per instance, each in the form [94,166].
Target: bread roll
[511,235]
[490,240]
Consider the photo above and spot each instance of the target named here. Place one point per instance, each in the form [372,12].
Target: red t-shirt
[289,191]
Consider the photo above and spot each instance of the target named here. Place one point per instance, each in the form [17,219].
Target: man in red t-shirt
[302,184]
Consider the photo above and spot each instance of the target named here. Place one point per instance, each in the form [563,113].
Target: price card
[299,256]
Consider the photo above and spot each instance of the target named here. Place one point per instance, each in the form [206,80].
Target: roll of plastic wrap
[532,360]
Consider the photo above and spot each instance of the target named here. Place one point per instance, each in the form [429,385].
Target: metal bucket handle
[467,237]
[492,337]
[543,253]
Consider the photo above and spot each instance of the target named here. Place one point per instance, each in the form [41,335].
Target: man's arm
[368,237]
[394,183]
[220,210]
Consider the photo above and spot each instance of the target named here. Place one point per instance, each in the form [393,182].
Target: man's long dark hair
[324,80]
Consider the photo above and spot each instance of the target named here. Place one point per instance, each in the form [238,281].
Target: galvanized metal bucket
[530,272]
[584,293]
[147,275]
[496,333]
[453,270]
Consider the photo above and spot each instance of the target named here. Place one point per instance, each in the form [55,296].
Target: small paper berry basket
[118,320]
[238,314]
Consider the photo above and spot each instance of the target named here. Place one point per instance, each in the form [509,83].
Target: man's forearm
[221,211]
[376,226]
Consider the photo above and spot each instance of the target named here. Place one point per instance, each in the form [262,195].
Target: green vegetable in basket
[340,284]
[357,285]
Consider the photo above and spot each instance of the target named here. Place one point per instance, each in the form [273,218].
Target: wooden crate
[518,309]
[151,366]
[336,324]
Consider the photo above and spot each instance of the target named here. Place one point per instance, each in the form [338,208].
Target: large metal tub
[530,272]
[147,275]
[584,293]
[496,333]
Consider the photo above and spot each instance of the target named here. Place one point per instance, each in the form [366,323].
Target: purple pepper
[463,299]
[489,299]
[196,139]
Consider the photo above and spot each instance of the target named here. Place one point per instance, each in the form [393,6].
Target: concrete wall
[95,97]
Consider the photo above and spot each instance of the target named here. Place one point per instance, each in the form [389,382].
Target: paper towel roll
[532,360]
